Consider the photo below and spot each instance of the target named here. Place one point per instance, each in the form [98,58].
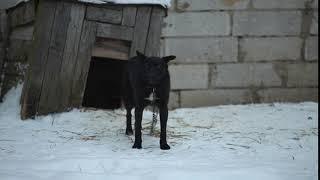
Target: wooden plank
[114,49]
[114,32]
[22,14]
[22,33]
[18,50]
[113,16]
[129,16]
[48,100]
[3,44]
[83,62]
[38,59]
[70,55]
[141,30]
[3,25]
[2,57]
[154,34]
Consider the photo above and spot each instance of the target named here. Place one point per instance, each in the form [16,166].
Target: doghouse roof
[164,3]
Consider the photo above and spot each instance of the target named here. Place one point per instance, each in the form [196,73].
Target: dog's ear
[139,54]
[167,59]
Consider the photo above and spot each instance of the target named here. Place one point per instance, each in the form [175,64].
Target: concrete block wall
[242,51]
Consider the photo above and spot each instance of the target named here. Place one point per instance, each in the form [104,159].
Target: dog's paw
[164,146]
[137,146]
[129,132]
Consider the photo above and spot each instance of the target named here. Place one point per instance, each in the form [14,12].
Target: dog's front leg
[129,131]
[163,123]
[137,127]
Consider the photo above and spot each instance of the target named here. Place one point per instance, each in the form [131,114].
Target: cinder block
[174,100]
[189,76]
[196,5]
[197,24]
[279,4]
[215,97]
[266,23]
[269,49]
[303,75]
[312,49]
[195,50]
[288,95]
[245,75]
[314,26]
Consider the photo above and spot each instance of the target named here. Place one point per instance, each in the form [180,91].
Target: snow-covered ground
[247,142]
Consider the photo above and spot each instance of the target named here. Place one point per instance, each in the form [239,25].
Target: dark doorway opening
[104,83]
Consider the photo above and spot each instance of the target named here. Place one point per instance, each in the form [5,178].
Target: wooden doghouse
[69,35]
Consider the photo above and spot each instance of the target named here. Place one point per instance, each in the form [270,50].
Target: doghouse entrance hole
[104,83]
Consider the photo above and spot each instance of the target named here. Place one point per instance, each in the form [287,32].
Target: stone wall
[242,51]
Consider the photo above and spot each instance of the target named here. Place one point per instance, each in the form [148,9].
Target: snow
[243,142]
[165,3]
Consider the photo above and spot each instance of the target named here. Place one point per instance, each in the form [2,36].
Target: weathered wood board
[23,33]
[154,34]
[140,30]
[86,44]
[114,32]
[23,14]
[19,50]
[49,94]
[70,56]
[109,48]
[3,44]
[129,16]
[105,15]
[38,59]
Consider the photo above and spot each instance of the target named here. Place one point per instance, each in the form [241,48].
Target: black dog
[143,74]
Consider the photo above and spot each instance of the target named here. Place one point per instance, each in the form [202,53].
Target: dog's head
[155,69]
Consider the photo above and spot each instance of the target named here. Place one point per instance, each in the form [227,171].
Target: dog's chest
[150,96]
